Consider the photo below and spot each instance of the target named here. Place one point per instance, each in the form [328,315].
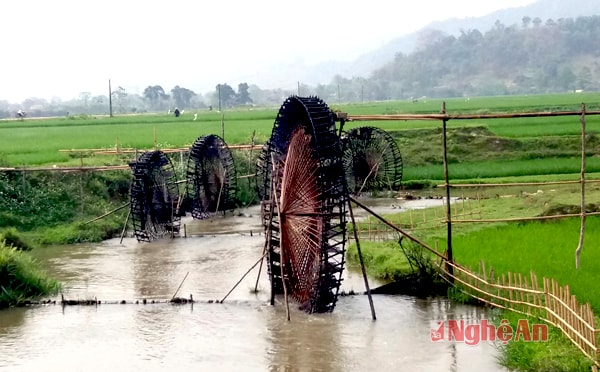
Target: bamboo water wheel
[211,177]
[372,160]
[154,197]
[304,199]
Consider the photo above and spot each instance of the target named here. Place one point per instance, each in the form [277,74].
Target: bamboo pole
[362,262]
[266,249]
[125,227]
[397,229]
[445,116]
[107,213]
[447,183]
[221,190]
[282,255]
[582,227]
[178,288]
[243,276]
[510,184]
[64,169]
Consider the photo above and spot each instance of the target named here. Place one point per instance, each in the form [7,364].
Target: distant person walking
[177,112]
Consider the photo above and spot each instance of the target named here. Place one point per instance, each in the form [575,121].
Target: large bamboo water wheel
[372,160]
[154,197]
[211,177]
[304,204]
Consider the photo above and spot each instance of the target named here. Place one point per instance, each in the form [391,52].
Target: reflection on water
[244,333]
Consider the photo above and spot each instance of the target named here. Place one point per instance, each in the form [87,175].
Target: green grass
[383,260]
[21,279]
[557,354]
[530,103]
[37,142]
[545,126]
[34,142]
[502,168]
[546,248]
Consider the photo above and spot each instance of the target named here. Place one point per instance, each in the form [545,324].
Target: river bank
[519,248]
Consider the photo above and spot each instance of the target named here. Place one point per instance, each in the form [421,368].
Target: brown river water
[245,333]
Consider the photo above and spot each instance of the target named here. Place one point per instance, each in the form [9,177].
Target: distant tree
[537,22]
[526,21]
[119,96]
[243,96]
[584,78]
[84,97]
[325,92]
[566,79]
[225,95]
[197,101]
[182,96]
[156,96]
[429,37]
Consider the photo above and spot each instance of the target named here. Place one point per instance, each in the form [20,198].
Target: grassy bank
[53,208]
[511,248]
[547,248]
[21,279]
[557,354]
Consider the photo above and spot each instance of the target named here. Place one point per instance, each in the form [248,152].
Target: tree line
[154,98]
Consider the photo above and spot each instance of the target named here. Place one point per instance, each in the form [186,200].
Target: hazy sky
[64,47]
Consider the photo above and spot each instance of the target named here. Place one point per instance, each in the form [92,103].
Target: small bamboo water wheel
[211,177]
[372,160]
[154,197]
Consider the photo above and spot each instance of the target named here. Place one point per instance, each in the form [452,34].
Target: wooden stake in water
[243,276]
[175,294]
[281,249]
[362,262]
[125,227]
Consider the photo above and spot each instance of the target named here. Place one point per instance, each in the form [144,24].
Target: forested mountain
[534,57]
[543,10]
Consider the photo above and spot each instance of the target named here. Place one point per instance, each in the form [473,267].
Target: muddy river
[245,333]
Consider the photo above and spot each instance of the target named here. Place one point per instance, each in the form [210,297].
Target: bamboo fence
[552,303]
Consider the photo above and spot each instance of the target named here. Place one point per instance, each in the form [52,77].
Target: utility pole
[219,92]
[362,94]
[109,99]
